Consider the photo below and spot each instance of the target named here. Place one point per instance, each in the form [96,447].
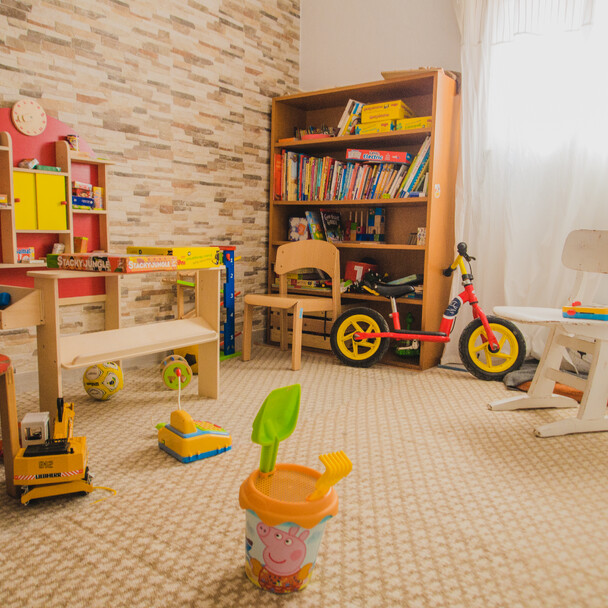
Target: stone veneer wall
[178,94]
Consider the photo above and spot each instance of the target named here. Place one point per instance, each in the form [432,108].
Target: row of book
[301,177]
[327,224]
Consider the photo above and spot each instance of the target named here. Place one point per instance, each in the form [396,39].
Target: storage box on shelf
[429,94]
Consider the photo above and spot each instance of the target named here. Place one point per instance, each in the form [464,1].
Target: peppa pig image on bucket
[281,558]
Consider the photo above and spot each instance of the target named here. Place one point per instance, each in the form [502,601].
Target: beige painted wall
[351,41]
[178,94]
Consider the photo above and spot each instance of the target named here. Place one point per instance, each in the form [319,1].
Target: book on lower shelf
[297,229]
[332,224]
[315,225]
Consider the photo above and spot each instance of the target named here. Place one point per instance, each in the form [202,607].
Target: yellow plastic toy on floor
[47,466]
[187,439]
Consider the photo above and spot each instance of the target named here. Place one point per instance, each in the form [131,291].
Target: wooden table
[115,343]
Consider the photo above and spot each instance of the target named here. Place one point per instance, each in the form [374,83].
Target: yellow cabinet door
[51,202]
[24,185]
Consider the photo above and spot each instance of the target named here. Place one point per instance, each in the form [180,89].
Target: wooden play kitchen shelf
[430,93]
[40,202]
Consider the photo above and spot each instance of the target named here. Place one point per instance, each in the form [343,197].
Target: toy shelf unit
[57,352]
[403,249]
[37,207]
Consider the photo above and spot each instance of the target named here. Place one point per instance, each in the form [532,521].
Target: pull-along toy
[287,505]
[184,438]
[489,346]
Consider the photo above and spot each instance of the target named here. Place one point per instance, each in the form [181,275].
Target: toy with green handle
[275,421]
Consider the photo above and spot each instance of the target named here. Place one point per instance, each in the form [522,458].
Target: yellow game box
[380,126]
[111,262]
[188,258]
[388,110]
[420,122]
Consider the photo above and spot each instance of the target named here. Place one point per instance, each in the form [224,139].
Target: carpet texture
[448,505]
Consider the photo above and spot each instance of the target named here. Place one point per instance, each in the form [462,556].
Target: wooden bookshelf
[430,93]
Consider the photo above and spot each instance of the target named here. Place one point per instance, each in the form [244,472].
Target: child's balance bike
[489,346]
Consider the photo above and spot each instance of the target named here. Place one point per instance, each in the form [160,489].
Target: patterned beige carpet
[448,505]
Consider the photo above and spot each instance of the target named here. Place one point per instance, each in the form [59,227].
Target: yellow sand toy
[189,440]
[47,466]
[184,438]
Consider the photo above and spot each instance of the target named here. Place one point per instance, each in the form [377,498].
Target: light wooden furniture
[585,251]
[429,93]
[40,202]
[9,422]
[290,258]
[56,352]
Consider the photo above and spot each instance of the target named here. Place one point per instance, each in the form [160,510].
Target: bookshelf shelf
[393,138]
[392,202]
[326,293]
[362,246]
[429,93]
[90,211]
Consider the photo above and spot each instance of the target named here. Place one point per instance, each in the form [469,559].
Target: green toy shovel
[275,421]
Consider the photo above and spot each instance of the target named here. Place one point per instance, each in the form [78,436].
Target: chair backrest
[586,251]
[311,253]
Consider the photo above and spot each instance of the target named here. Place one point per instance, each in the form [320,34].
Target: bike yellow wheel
[477,356]
[359,353]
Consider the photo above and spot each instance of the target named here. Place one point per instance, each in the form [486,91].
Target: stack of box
[82,196]
[381,117]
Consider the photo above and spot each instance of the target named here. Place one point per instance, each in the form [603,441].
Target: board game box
[188,258]
[111,262]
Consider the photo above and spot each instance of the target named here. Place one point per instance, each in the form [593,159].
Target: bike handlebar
[462,252]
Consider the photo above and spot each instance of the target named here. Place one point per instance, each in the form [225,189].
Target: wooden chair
[585,251]
[290,258]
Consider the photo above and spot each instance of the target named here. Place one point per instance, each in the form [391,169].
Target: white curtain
[534,151]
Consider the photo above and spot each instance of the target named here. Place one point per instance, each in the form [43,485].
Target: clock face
[28,117]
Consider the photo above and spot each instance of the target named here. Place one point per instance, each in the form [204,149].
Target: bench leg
[247,331]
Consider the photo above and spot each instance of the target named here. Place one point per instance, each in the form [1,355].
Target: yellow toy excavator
[46,466]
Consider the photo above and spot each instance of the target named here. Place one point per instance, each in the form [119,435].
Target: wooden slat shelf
[87,349]
[365,202]
[366,297]
[24,170]
[35,231]
[391,138]
[363,245]
[88,160]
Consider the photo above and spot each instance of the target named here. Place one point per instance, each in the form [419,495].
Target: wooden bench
[114,343]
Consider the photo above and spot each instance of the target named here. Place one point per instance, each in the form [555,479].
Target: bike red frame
[446,325]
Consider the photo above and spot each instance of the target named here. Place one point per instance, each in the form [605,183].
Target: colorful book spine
[378,156]
[413,171]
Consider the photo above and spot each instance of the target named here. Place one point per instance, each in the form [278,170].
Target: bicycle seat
[386,290]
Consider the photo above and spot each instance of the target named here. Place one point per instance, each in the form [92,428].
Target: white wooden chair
[585,251]
[290,258]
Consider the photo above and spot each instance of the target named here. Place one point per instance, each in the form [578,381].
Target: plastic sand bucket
[283,529]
